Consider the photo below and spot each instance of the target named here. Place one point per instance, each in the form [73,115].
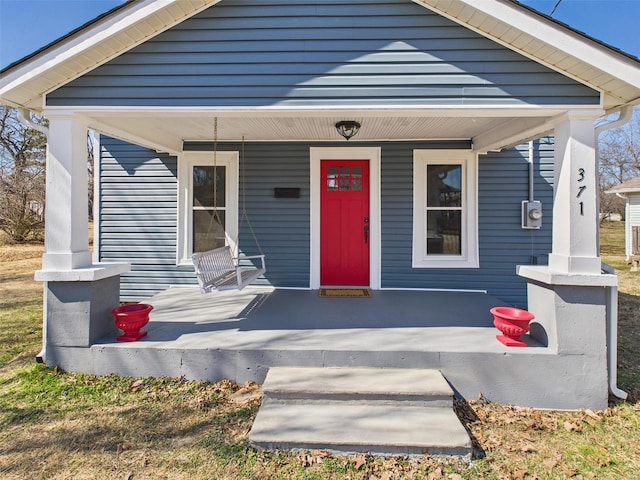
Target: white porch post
[571,297]
[79,295]
[66,215]
[575,216]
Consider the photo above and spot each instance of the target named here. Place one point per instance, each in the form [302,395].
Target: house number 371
[581,189]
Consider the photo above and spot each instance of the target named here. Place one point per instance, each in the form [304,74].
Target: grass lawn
[72,426]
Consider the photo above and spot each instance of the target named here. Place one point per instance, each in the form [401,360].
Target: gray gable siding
[320,52]
[138,217]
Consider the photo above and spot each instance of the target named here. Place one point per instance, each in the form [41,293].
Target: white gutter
[24,116]
[531,172]
[612,292]
[612,336]
[625,115]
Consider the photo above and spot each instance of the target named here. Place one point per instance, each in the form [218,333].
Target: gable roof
[630,186]
[608,70]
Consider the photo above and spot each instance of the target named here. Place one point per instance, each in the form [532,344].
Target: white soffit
[614,74]
[167,131]
[70,57]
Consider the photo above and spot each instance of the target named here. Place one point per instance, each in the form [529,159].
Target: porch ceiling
[167,131]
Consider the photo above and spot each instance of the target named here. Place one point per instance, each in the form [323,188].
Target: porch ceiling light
[347,128]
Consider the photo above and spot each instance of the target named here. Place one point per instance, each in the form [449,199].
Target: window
[344,179]
[444,209]
[207,214]
[205,223]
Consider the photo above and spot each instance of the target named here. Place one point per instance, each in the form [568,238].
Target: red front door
[344,222]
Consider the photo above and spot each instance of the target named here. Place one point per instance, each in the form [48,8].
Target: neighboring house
[630,191]
[448,96]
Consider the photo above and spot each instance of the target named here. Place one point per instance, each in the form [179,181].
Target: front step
[371,385]
[348,410]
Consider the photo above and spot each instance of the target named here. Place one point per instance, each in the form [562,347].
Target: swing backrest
[215,261]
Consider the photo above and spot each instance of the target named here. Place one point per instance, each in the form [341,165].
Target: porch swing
[218,269]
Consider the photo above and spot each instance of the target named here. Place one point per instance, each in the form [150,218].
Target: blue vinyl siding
[317,53]
[502,185]
[138,216]
[282,225]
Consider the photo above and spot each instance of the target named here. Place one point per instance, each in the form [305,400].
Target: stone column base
[78,305]
[571,320]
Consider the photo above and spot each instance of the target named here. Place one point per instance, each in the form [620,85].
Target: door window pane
[332,179]
[344,179]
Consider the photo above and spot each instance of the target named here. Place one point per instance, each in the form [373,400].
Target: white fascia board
[571,43]
[127,136]
[511,133]
[100,127]
[390,111]
[68,49]
[623,191]
[516,132]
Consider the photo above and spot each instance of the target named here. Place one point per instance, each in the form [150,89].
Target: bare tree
[91,171]
[619,161]
[22,178]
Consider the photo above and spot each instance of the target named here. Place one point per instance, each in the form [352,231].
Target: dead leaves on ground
[504,437]
[372,467]
[309,459]
[525,422]
[250,393]
[198,395]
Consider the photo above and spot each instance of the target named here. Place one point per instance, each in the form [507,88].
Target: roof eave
[24,83]
[554,45]
[623,190]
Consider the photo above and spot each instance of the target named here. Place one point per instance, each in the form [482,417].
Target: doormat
[345,293]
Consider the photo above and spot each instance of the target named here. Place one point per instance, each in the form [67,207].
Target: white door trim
[373,154]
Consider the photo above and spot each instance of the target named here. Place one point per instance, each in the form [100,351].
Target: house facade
[463,113]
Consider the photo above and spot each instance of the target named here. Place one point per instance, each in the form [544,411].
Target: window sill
[451,262]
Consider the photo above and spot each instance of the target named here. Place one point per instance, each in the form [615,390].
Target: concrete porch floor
[239,335]
[270,319]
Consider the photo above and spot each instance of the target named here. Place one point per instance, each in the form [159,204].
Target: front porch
[241,334]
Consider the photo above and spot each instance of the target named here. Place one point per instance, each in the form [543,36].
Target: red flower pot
[512,322]
[130,319]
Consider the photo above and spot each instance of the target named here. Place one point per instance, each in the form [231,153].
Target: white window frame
[469,257]
[186,162]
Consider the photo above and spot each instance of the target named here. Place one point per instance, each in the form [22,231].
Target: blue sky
[27,25]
